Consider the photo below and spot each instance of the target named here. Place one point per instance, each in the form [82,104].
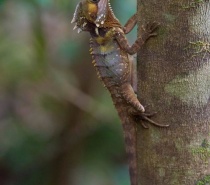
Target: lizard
[110,52]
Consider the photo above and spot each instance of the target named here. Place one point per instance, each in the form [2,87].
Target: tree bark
[174,81]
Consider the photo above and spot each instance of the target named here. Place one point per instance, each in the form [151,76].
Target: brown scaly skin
[110,49]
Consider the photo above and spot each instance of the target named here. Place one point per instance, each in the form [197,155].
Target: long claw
[151,27]
[149,115]
[153,122]
[144,116]
[142,123]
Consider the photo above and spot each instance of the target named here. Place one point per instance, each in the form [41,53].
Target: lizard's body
[110,52]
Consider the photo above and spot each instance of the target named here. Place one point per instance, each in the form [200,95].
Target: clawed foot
[150,28]
[146,117]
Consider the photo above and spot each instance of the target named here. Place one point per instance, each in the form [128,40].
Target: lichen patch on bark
[200,21]
[204,181]
[192,89]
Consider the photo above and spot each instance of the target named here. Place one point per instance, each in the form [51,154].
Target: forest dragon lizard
[110,50]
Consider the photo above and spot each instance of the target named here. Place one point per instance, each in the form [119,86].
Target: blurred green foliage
[57,123]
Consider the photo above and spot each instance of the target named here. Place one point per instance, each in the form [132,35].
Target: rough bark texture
[174,80]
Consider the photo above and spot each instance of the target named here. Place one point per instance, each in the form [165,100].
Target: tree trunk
[174,81]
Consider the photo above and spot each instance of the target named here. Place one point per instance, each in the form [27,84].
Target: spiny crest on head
[78,18]
[76,13]
[110,7]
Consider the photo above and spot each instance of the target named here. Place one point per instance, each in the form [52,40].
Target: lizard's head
[93,11]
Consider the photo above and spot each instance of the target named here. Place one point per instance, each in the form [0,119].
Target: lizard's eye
[94,1]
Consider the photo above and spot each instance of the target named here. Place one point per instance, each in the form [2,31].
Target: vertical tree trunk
[174,80]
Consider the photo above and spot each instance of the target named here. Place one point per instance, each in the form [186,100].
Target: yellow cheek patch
[92,8]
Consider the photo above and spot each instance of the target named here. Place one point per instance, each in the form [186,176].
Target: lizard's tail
[129,127]
[130,96]
[130,145]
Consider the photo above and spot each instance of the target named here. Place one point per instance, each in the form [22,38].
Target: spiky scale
[75,27]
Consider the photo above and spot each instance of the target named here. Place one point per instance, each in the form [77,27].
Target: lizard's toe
[145,116]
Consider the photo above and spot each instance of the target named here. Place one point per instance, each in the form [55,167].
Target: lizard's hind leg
[130,97]
[136,109]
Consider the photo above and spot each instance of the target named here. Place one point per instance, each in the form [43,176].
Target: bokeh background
[58,125]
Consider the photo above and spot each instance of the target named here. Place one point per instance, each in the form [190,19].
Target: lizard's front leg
[136,110]
[130,24]
[127,29]
[123,42]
